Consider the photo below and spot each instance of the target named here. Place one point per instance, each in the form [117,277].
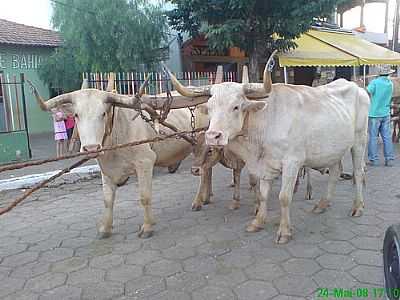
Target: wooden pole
[18,111]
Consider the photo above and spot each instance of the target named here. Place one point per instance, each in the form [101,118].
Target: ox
[291,127]
[105,119]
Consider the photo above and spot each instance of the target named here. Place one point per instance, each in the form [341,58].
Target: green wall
[13,146]
[25,59]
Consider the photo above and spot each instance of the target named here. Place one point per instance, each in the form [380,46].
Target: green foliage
[104,35]
[249,24]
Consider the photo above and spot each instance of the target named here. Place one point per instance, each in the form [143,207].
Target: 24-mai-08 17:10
[368,293]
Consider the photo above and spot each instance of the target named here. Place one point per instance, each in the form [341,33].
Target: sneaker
[389,163]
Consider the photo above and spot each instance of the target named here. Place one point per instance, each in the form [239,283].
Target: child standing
[69,125]
[60,133]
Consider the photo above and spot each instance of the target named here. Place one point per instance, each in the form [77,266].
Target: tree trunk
[254,60]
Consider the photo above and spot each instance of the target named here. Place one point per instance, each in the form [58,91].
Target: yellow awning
[311,51]
[326,48]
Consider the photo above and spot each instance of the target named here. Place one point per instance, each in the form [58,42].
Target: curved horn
[121,100]
[219,76]
[53,102]
[185,91]
[142,88]
[260,91]
[267,81]
[110,84]
[85,84]
[245,74]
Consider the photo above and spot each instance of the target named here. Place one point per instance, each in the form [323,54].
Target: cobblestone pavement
[49,249]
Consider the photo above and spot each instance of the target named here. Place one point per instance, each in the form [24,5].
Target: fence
[14,138]
[128,83]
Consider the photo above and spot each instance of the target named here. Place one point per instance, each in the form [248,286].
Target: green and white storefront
[22,50]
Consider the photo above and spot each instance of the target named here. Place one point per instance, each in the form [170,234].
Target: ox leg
[357,153]
[104,226]
[253,182]
[145,177]
[309,186]
[258,223]
[236,193]
[204,191]
[289,176]
[207,199]
[325,202]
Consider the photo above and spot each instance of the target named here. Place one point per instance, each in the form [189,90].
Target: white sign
[20,61]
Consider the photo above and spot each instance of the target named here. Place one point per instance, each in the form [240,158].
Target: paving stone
[45,282]
[178,253]
[264,271]
[12,249]
[20,259]
[286,297]
[163,267]
[102,290]
[30,270]
[213,292]
[22,295]
[337,247]
[237,258]
[304,250]
[334,279]
[302,266]
[295,285]
[126,248]
[10,285]
[254,289]
[202,265]
[185,282]
[143,257]
[124,273]
[226,277]
[367,243]
[63,292]
[366,257]
[76,242]
[4,272]
[106,261]
[368,274]
[171,295]
[336,261]
[69,265]
[56,254]
[144,286]
[86,276]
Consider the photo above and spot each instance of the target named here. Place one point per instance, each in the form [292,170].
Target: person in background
[381,91]
[69,125]
[60,132]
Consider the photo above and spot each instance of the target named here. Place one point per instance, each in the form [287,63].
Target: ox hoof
[196,207]
[308,196]
[254,228]
[103,235]
[145,233]
[320,207]
[356,212]
[234,205]
[206,202]
[283,239]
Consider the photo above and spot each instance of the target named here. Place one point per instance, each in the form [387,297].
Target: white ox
[105,119]
[291,127]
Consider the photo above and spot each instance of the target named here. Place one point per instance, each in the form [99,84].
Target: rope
[40,185]
[105,149]
[77,164]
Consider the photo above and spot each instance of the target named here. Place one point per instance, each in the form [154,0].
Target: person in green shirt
[380,90]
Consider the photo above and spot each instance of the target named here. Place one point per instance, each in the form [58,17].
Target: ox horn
[259,91]
[245,74]
[185,91]
[53,102]
[85,84]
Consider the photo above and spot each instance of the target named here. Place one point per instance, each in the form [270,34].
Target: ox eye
[104,114]
[76,115]
[209,152]
[236,108]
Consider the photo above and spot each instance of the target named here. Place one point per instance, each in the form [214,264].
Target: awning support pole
[285,74]
[364,74]
[354,73]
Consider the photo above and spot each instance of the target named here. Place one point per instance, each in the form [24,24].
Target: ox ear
[253,106]
[203,109]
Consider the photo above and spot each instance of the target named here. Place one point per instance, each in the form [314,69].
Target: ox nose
[196,171]
[94,147]
[213,137]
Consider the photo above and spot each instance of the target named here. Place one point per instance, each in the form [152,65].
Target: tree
[104,36]
[256,26]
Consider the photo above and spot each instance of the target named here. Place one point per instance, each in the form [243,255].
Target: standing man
[381,90]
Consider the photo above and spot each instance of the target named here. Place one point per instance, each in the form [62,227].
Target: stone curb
[28,181]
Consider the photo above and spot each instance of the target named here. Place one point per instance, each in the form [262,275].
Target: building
[22,50]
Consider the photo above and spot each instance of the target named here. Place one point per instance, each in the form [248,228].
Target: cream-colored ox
[291,127]
[104,119]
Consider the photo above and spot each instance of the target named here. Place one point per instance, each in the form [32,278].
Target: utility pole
[395,38]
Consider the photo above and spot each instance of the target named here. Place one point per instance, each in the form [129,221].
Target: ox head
[205,157]
[92,109]
[229,104]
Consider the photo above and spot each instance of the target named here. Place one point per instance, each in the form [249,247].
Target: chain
[142,115]
[192,120]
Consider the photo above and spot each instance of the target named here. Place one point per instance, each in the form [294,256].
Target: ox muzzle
[92,148]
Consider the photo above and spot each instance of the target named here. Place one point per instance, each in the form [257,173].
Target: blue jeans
[379,126]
